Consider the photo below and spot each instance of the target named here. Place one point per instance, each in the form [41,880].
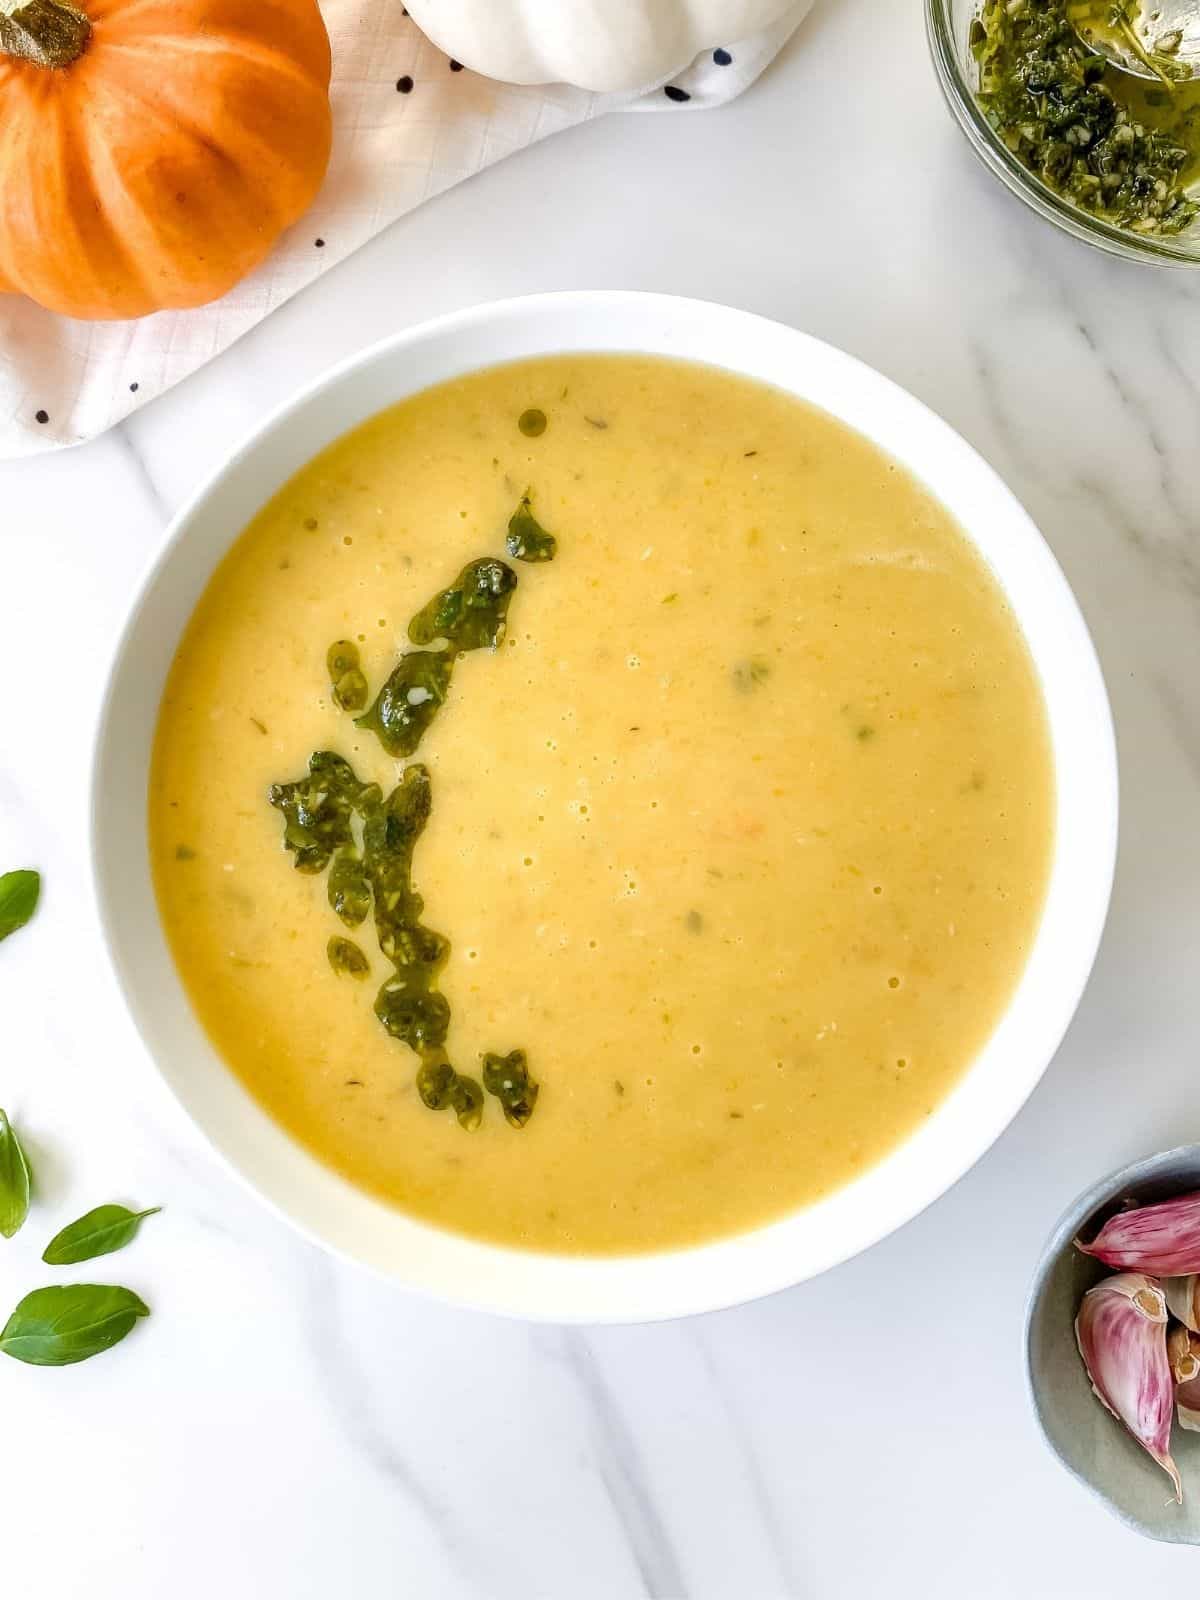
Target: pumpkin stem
[47,33]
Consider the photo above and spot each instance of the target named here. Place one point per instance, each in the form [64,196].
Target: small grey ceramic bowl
[1090,1443]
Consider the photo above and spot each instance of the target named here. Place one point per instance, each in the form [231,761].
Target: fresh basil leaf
[100,1232]
[15,1179]
[59,1325]
[18,900]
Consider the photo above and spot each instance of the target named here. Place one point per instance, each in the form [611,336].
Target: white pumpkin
[603,45]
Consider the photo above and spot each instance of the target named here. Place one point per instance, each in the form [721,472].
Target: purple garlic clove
[1122,1333]
[1183,1300]
[1163,1238]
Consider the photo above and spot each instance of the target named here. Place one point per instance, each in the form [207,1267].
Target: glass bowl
[948,23]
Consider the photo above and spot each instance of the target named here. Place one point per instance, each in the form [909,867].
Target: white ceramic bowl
[678,1282]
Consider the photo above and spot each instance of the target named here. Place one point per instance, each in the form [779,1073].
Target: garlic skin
[1163,1239]
[1183,1300]
[1183,1352]
[1187,1405]
[1121,1330]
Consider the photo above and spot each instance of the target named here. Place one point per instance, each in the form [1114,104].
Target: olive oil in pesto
[1124,148]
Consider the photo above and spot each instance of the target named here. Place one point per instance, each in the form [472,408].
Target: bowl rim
[639,1288]
[1017,178]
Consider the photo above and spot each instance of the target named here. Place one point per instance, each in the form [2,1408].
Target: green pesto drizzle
[347,957]
[349,890]
[413,695]
[322,810]
[507,1077]
[317,809]
[527,539]
[348,686]
[470,615]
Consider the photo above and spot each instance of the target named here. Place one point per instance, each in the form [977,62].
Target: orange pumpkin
[152,151]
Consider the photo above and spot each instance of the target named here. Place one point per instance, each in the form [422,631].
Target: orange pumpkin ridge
[158,168]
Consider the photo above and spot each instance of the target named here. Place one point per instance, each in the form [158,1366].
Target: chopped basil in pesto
[466,1100]
[349,687]
[322,811]
[471,614]
[1122,148]
[317,809]
[440,1087]
[349,891]
[435,1082]
[507,1077]
[318,813]
[527,539]
[346,957]
[410,699]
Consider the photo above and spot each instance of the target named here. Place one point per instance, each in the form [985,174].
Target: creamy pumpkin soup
[601,804]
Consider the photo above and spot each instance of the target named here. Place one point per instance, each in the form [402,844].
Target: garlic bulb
[1122,1334]
[1163,1238]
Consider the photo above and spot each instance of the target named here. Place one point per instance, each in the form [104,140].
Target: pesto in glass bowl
[1111,158]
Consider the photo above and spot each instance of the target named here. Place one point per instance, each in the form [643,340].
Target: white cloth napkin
[408,123]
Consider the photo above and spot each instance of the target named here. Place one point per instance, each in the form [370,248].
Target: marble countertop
[287,1426]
